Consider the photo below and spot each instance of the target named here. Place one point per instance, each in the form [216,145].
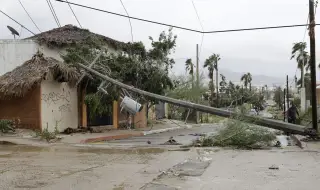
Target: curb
[109,138]
[125,136]
[160,130]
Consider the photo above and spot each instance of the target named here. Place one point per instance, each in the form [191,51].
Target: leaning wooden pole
[287,127]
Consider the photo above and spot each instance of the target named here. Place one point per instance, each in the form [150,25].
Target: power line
[195,9]
[129,20]
[29,15]
[184,28]
[18,23]
[74,14]
[53,12]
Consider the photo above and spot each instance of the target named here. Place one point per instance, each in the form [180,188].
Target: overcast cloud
[259,52]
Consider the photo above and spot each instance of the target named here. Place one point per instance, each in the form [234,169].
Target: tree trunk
[192,78]
[217,87]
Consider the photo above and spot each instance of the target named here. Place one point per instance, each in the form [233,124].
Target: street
[134,164]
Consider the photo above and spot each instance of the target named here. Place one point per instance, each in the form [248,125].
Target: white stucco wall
[59,106]
[14,53]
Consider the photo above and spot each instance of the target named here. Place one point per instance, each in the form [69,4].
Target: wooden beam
[115,114]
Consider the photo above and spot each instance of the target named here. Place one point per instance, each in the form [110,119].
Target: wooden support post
[115,114]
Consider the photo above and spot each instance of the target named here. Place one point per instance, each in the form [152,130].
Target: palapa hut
[41,93]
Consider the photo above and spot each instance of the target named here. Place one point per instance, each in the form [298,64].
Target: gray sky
[259,52]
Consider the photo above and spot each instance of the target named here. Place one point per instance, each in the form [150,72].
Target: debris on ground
[69,130]
[149,142]
[171,141]
[274,167]
[240,135]
[197,134]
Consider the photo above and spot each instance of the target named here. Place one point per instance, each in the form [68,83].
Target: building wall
[26,109]
[14,53]
[139,119]
[59,106]
[318,96]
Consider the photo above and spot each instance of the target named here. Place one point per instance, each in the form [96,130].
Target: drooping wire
[129,19]
[29,15]
[17,22]
[53,13]
[195,9]
[189,29]
[74,14]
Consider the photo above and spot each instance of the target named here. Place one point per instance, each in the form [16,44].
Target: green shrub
[6,125]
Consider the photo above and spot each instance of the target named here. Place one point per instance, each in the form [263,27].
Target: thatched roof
[22,79]
[70,35]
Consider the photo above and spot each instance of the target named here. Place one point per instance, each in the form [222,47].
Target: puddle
[7,143]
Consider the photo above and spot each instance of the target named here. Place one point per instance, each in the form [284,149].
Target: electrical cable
[53,13]
[188,29]
[128,18]
[202,35]
[74,14]
[17,22]
[29,16]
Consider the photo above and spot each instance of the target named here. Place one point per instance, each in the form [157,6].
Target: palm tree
[212,64]
[189,68]
[247,79]
[302,57]
[209,64]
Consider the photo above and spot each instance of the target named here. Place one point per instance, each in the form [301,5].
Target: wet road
[155,167]
[182,136]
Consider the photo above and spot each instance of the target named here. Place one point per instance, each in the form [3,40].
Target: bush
[46,135]
[6,125]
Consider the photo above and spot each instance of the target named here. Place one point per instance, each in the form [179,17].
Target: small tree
[278,97]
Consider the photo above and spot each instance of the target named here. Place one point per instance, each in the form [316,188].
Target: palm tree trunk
[192,78]
[217,86]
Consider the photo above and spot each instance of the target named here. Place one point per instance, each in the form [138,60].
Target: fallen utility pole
[313,65]
[287,127]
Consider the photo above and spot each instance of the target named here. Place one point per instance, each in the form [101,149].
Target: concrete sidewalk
[159,126]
